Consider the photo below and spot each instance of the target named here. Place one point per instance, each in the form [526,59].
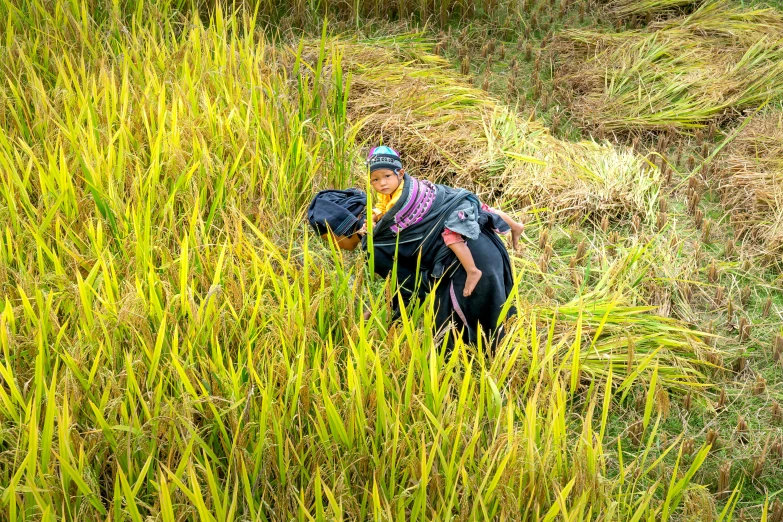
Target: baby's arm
[516,227]
[457,245]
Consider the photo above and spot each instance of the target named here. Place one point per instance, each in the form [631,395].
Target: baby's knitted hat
[384,157]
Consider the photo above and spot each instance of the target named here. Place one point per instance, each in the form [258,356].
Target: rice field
[178,345]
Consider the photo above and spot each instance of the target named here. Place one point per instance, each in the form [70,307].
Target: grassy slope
[746,396]
[494,71]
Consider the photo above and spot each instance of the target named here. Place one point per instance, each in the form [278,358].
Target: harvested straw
[447,130]
[624,9]
[751,181]
[673,75]
[742,430]
[712,438]
[767,307]
[777,412]
[721,400]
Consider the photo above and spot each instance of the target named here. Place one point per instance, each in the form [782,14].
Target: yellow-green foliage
[175,348]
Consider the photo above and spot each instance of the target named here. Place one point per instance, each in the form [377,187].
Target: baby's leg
[462,252]
[516,227]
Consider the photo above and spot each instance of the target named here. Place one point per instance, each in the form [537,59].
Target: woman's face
[343,242]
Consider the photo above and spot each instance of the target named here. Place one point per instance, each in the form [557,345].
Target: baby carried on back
[387,177]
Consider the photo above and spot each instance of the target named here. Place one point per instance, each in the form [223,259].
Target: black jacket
[425,263]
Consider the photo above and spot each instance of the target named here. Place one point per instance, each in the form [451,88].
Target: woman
[410,233]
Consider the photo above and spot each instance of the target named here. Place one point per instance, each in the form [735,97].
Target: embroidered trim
[420,199]
[455,304]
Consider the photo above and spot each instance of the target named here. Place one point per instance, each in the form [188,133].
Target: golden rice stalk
[174,348]
[623,9]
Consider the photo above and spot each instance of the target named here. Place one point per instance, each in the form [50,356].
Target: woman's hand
[362,231]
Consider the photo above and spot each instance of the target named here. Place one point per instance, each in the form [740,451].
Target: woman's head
[338,214]
[386,170]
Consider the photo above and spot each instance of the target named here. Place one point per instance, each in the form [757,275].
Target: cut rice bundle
[751,181]
[449,131]
[623,9]
[676,74]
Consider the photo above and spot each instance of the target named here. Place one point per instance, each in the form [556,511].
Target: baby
[387,179]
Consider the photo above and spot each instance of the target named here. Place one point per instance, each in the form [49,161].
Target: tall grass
[175,347]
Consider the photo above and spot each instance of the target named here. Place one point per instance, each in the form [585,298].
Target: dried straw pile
[624,9]
[751,181]
[675,74]
[450,131]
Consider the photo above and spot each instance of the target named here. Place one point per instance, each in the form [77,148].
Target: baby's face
[384,181]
